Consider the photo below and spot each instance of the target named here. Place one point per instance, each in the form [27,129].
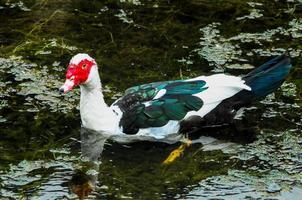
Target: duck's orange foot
[177,152]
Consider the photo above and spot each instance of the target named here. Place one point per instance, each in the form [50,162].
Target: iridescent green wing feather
[141,110]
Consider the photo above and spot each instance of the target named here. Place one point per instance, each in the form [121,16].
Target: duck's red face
[78,71]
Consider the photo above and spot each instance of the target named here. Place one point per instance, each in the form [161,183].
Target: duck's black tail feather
[268,77]
[262,81]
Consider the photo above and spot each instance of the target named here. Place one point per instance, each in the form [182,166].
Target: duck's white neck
[95,113]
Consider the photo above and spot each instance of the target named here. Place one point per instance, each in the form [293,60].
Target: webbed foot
[177,152]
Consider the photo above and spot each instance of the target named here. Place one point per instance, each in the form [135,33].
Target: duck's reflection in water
[84,181]
[145,168]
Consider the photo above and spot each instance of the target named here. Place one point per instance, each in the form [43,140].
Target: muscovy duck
[163,110]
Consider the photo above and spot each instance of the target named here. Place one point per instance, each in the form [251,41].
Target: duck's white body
[156,111]
[97,115]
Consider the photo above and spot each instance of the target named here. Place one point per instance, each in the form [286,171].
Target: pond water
[43,150]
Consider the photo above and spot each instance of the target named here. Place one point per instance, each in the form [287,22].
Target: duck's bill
[68,85]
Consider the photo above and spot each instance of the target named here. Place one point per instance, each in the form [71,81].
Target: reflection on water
[91,166]
[92,145]
[137,166]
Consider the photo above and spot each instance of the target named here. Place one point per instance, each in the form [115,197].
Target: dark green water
[134,42]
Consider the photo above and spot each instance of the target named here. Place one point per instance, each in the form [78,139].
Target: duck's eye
[84,66]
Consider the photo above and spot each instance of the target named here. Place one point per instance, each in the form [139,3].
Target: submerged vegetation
[134,42]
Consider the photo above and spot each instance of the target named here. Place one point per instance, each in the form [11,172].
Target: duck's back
[161,107]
